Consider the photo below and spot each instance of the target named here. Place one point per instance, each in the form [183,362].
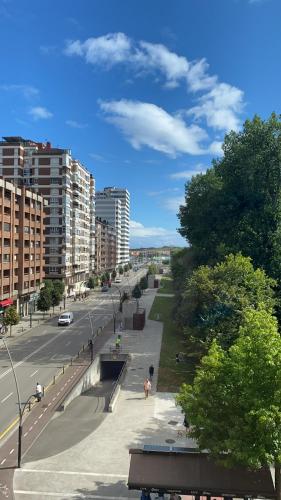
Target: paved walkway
[96,465]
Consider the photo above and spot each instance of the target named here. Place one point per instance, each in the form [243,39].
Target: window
[54,191]
[54,161]
[6,257]
[55,180]
[26,229]
[54,201]
[7,227]
[55,229]
[6,242]
[53,269]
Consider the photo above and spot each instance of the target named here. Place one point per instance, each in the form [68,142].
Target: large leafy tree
[44,301]
[236,205]
[234,403]
[215,298]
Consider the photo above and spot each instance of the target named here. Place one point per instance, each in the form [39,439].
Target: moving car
[65,319]
[118,280]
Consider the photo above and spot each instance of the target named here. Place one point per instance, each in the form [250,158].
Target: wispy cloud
[28,91]
[162,191]
[187,174]
[145,124]
[40,113]
[141,235]
[98,158]
[75,124]
[172,204]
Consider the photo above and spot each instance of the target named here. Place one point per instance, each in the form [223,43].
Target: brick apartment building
[65,184]
[105,246]
[21,247]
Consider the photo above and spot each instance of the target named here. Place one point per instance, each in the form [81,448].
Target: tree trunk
[278,480]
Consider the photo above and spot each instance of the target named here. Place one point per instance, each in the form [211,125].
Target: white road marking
[49,404]
[13,449]
[3,461]
[69,495]
[36,422]
[30,428]
[34,373]
[25,434]
[67,343]
[7,397]
[54,399]
[40,416]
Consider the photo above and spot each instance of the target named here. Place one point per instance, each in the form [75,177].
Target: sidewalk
[97,466]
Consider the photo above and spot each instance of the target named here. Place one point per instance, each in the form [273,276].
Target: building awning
[194,473]
[6,302]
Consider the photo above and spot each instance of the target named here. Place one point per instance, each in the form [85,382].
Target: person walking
[151,371]
[146,387]
[38,391]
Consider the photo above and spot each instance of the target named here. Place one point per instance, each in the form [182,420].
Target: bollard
[78,354]
[29,405]
[83,347]
[54,380]
[43,390]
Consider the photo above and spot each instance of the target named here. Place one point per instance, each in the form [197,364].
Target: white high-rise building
[113,205]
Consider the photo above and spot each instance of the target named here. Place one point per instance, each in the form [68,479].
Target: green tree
[236,205]
[130,265]
[44,301]
[233,405]
[152,269]
[55,298]
[120,270]
[215,297]
[143,283]
[113,274]
[107,276]
[136,293]
[126,268]
[91,282]
[59,286]
[11,317]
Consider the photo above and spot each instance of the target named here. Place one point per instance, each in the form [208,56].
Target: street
[40,353]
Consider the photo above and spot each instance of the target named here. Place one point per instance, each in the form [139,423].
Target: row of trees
[229,299]
[105,277]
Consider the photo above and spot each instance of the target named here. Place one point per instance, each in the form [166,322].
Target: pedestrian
[118,342]
[60,308]
[151,371]
[146,387]
[185,422]
[38,391]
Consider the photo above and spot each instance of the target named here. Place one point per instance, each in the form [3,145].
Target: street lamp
[21,408]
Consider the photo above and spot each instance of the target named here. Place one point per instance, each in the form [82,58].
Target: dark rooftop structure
[192,473]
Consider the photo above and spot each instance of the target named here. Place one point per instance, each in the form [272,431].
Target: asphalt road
[39,354]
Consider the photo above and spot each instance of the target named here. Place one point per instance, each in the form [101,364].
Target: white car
[118,280]
[65,319]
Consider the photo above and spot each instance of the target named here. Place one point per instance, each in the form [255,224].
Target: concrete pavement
[96,463]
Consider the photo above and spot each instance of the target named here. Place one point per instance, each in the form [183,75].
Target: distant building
[21,247]
[113,205]
[65,183]
[105,246]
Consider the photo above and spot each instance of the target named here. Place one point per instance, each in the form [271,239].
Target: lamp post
[21,409]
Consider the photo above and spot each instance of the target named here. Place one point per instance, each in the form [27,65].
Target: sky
[142,92]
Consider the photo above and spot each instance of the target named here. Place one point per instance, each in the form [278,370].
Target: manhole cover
[173,422]
[170,441]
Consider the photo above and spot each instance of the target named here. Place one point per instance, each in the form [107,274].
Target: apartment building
[105,246]
[21,247]
[92,224]
[113,205]
[65,183]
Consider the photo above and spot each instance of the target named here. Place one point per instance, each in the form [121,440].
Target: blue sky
[142,92]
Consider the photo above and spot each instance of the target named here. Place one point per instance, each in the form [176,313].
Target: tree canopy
[11,317]
[236,205]
[215,298]
[234,403]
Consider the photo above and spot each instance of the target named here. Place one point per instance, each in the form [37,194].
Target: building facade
[65,183]
[113,205]
[21,247]
[105,246]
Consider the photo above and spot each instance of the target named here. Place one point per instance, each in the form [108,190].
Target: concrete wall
[150,279]
[90,378]
[128,309]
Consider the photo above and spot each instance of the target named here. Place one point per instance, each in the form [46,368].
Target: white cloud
[172,204]
[108,50]
[220,107]
[38,113]
[142,236]
[145,124]
[187,174]
[75,124]
[97,157]
[28,91]
[162,191]
[198,78]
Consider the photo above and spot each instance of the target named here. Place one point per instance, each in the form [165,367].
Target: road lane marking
[13,449]
[3,461]
[67,343]
[7,397]
[34,373]
[43,494]
[25,434]
[74,473]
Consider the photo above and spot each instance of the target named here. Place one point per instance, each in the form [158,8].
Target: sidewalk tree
[130,265]
[233,405]
[107,276]
[152,269]
[56,298]
[113,274]
[44,301]
[91,283]
[59,286]
[215,297]
[126,268]
[120,270]
[11,317]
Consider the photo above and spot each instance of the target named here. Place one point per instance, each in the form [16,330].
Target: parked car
[104,288]
[65,319]
[117,280]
